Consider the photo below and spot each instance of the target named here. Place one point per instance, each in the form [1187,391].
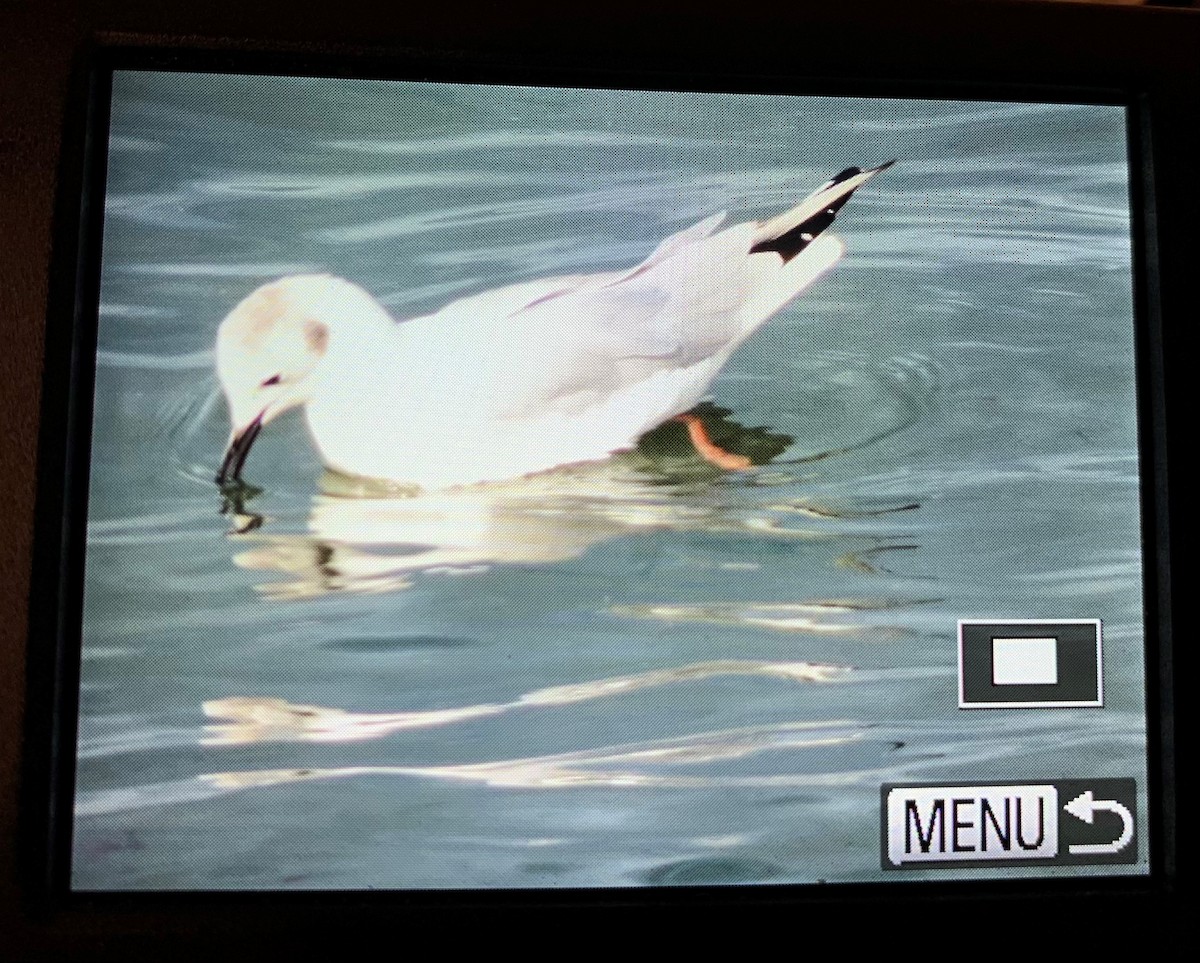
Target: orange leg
[704,445]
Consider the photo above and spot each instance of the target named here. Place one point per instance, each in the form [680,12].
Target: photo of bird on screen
[525,378]
[536,487]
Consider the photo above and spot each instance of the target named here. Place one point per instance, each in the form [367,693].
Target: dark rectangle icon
[1030,664]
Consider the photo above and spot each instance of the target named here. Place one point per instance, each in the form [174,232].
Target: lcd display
[509,487]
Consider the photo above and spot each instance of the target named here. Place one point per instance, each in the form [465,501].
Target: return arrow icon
[1085,806]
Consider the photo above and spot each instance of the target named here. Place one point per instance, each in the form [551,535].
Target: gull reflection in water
[368,536]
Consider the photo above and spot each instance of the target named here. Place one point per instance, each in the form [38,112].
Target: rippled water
[639,672]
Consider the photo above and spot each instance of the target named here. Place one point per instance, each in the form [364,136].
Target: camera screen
[502,487]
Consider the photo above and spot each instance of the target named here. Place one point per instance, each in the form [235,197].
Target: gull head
[269,350]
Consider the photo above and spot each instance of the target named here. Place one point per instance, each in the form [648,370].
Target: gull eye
[273,380]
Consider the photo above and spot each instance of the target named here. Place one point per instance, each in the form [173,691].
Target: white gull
[523,378]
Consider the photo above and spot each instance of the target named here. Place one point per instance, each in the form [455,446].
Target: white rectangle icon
[942,824]
[1005,676]
[1025,661]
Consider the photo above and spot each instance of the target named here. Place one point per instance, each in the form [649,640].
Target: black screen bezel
[56,602]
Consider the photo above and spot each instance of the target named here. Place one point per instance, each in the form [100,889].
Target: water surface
[634,673]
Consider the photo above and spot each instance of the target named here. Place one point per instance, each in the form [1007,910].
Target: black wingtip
[790,244]
[855,171]
[844,175]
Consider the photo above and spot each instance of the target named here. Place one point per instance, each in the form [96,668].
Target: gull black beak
[239,448]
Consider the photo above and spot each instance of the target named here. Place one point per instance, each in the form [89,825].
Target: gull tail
[792,231]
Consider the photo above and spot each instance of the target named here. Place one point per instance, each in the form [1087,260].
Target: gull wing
[676,242]
[578,340]
[680,305]
[526,295]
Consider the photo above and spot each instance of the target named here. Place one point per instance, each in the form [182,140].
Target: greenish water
[640,672]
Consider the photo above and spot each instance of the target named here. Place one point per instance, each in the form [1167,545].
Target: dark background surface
[43,45]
